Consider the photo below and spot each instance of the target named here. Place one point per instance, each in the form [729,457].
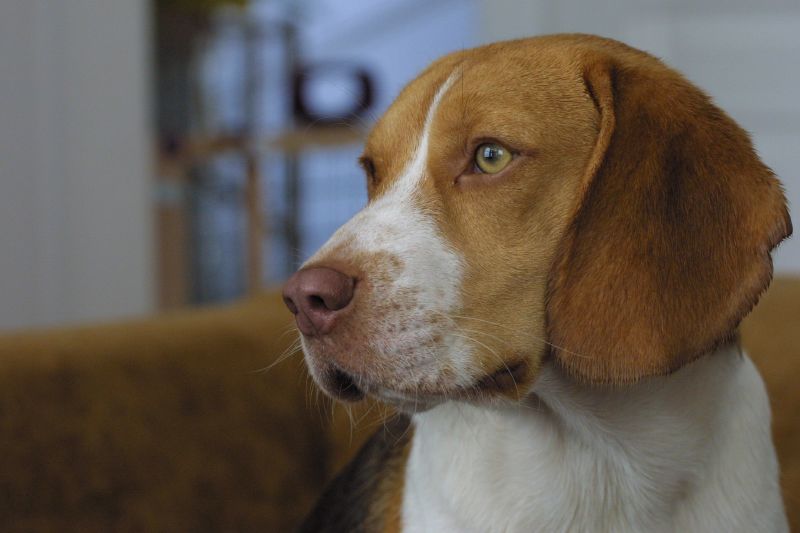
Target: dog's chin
[345,389]
[349,388]
[491,388]
[407,403]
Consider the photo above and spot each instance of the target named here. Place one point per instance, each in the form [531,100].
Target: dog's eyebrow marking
[415,170]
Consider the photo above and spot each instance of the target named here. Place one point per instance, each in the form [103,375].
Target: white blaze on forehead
[395,224]
[415,171]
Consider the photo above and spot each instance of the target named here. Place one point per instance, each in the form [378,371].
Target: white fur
[690,452]
[396,224]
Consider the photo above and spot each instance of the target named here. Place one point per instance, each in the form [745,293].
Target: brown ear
[669,247]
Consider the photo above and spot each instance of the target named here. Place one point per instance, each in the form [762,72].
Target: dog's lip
[339,384]
[344,387]
[409,403]
[504,378]
[348,386]
[509,376]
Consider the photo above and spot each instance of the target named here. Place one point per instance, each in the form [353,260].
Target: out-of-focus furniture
[771,335]
[159,425]
[169,424]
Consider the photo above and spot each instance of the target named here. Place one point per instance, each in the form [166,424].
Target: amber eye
[491,158]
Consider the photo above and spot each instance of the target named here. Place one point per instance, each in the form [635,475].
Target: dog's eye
[491,158]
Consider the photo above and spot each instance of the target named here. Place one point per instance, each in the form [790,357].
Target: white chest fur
[687,452]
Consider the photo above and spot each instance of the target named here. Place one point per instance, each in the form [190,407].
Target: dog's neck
[637,458]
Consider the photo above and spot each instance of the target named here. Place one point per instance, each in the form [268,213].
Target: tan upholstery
[771,335]
[158,425]
[168,424]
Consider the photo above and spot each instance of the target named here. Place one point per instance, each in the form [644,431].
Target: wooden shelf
[294,141]
[173,172]
[301,139]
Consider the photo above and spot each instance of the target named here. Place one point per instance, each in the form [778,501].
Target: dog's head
[563,196]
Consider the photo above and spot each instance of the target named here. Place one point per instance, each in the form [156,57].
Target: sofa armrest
[159,425]
[771,337]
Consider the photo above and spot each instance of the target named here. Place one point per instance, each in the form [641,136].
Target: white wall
[75,212]
[394,39]
[744,53]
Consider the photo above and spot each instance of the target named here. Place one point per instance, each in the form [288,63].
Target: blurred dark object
[199,7]
[180,27]
[313,86]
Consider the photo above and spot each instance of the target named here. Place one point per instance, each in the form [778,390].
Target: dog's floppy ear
[669,245]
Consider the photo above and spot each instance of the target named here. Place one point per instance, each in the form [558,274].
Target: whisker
[495,354]
[293,349]
[518,332]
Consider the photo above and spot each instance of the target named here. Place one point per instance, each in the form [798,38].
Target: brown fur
[631,233]
[367,495]
[670,245]
[529,95]
[205,444]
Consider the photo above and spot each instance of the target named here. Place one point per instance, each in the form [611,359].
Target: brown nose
[316,296]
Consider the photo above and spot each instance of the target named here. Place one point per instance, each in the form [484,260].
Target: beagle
[561,238]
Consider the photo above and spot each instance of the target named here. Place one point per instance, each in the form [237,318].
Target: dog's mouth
[505,381]
[507,378]
[342,386]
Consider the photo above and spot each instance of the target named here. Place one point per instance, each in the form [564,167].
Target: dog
[562,237]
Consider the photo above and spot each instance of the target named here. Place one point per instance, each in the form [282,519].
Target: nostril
[316,302]
[315,295]
[326,291]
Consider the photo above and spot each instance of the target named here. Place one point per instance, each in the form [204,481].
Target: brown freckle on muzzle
[352,342]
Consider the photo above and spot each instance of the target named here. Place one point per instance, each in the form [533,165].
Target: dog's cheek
[408,283]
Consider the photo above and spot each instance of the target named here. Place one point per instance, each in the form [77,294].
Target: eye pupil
[491,158]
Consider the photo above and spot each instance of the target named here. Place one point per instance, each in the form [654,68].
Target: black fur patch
[356,500]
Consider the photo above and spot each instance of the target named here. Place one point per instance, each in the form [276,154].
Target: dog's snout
[316,296]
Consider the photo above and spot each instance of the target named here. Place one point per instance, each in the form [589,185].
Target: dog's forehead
[519,77]
[395,137]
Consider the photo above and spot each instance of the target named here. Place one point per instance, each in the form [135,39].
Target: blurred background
[165,155]
[157,154]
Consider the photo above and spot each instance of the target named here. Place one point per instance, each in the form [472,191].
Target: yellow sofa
[170,424]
